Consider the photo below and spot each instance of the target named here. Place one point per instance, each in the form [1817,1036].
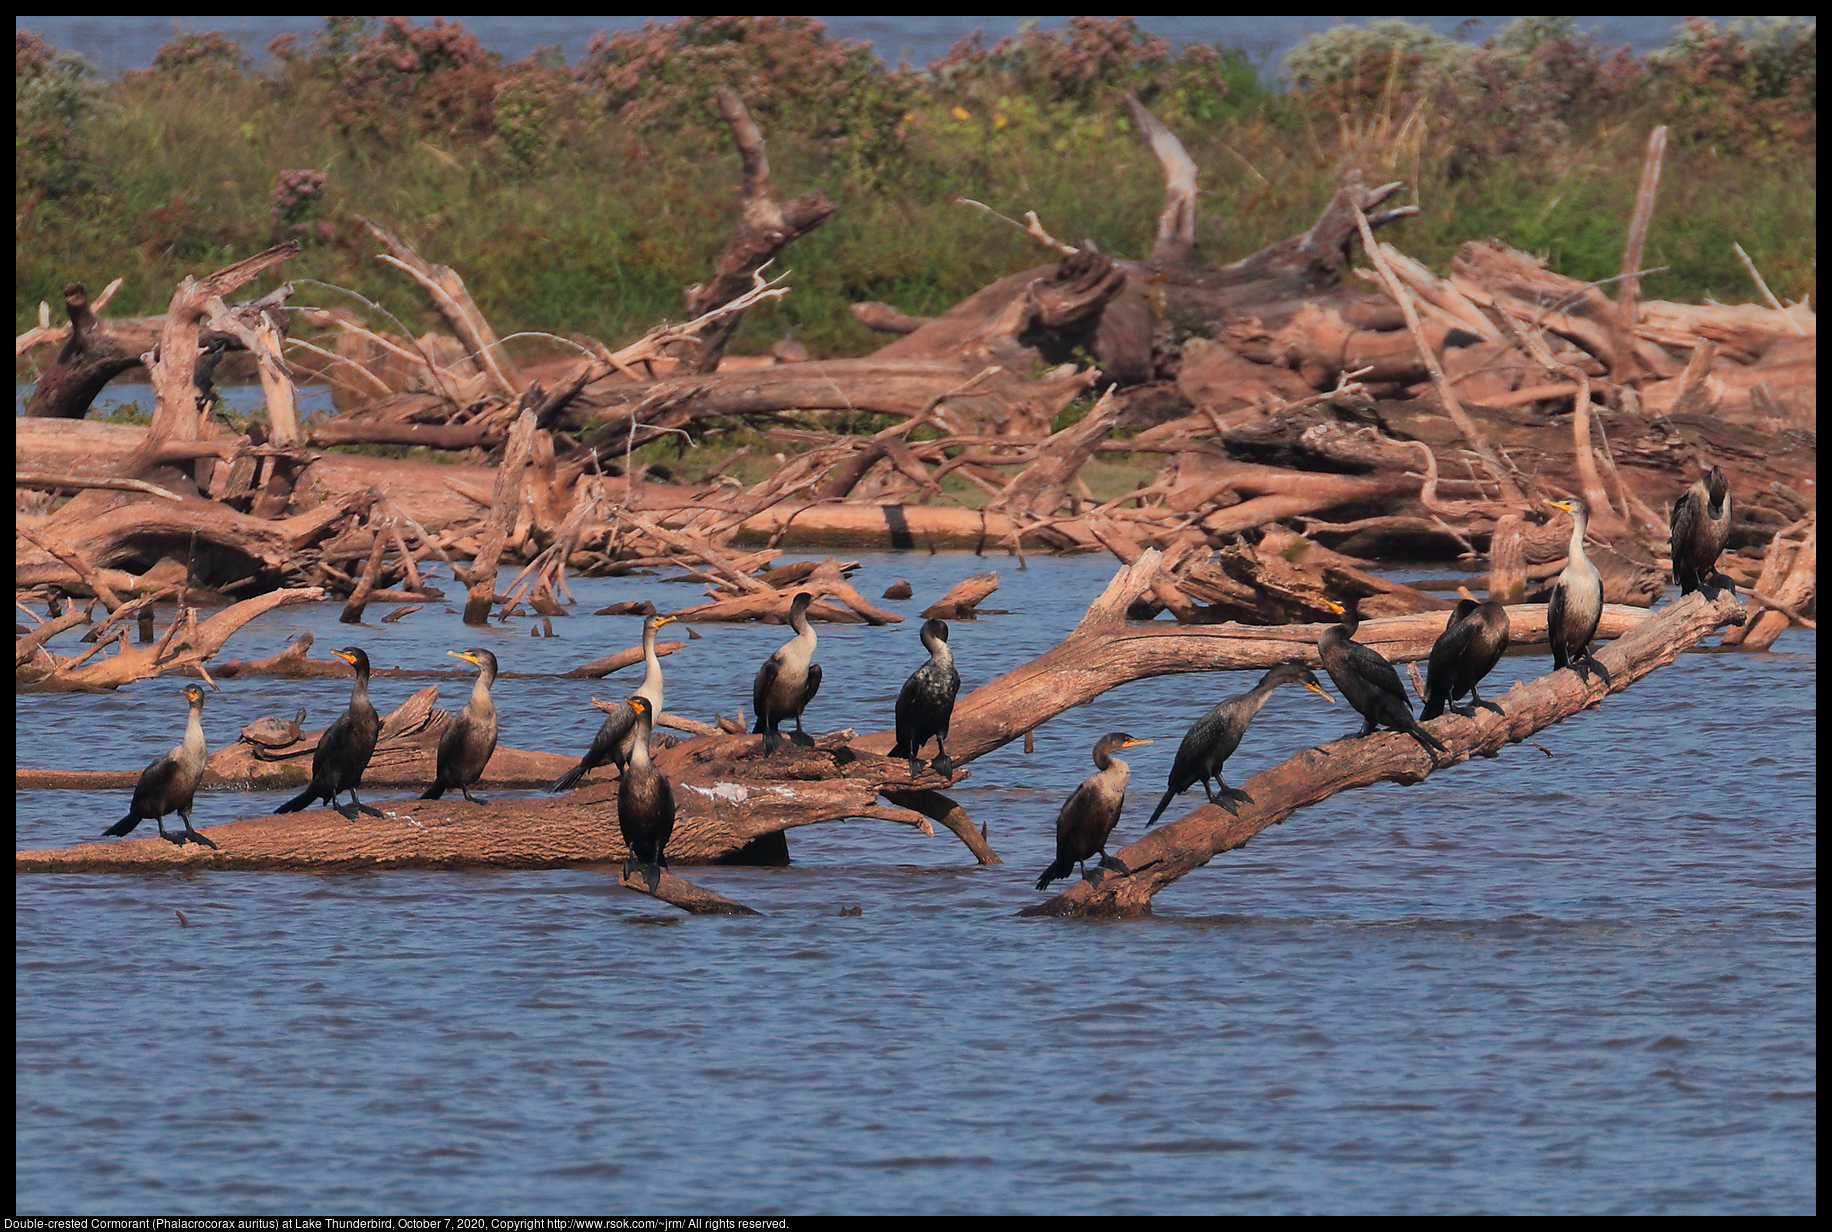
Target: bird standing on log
[1576,602]
[170,783]
[1472,643]
[465,748]
[1215,736]
[617,734]
[645,803]
[1367,680]
[1700,530]
[787,681]
[273,732]
[1086,821]
[926,704]
[345,748]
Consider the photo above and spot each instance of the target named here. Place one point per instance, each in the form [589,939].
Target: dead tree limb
[505,506]
[1166,854]
[765,227]
[176,415]
[1177,223]
[453,300]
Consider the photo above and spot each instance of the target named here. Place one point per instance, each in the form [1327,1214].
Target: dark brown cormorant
[344,749]
[170,783]
[927,703]
[1367,680]
[465,748]
[1576,603]
[1215,736]
[645,803]
[1091,813]
[272,732]
[618,731]
[1472,643]
[1700,530]
[788,680]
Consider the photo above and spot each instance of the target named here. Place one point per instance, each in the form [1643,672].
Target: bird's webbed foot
[176,840]
[943,765]
[772,740]
[1114,864]
[801,738]
[348,811]
[467,796]
[1232,798]
[195,837]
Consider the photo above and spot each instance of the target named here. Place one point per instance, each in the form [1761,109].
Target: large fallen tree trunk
[1166,854]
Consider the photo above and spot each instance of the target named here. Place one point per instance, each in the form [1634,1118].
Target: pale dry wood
[1628,293]
[505,505]
[1176,238]
[447,291]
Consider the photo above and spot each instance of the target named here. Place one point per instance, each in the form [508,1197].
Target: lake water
[1583,982]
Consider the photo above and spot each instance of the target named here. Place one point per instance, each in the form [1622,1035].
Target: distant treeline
[585,197]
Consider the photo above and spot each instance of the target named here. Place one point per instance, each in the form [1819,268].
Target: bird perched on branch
[926,704]
[1700,530]
[788,680]
[470,739]
[1576,604]
[345,748]
[617,733]
[1215,736]
[170,783]
[1367,680]
[1473,641]
[1086,821]
[645,803]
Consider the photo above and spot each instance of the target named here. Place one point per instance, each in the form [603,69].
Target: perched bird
[645,803]
[618,731]
[1215,736]
[273,732]
[788,680]
[344,749]
[1700,530]
[170,783]
[1576,603]
[1091,813]
[927,703]
[465,748]
[1367,680]
[1472,643]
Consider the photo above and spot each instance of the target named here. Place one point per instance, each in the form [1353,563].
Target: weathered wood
[1167,853]
[962,598]
[597,669]
[449,295]
[505,505]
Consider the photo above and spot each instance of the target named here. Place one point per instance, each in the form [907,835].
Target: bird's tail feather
[1426,738]
[568,779]
[1162,805]
[1056,872]
[124,826]
[433,792]
[301,801]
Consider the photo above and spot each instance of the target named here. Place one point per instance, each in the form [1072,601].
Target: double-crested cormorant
[1701,530]
[927,703]
[465,748]
[344,749]
[1215,736]
[1367,680]
[788,680]
[618,731]
[1472,643]
[272,732]
[1576,603]
[645,803]
[168,785]
[1091,813]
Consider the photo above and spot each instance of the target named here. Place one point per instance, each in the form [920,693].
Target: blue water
[121,41]
[1583,982]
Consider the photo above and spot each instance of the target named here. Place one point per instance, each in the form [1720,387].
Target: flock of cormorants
[1473,641]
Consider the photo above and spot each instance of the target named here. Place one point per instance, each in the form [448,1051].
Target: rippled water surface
[1578,982]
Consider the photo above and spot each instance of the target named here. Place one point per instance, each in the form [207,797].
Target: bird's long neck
[939,654]
[804,633]
[639,746]
[480,692]
[1716,503]
[1576,548]
[1115,772]
[359,693]
[1255,698]
[651,686]
[193,745]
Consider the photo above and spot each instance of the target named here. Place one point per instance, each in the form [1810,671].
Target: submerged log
[1167,853]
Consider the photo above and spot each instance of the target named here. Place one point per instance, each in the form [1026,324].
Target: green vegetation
[584,199]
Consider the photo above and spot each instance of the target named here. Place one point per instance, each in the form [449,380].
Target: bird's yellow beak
[347,658]
[1320,693]
[1559,504]
[466,655]
[1130,743]
[1334,607]
[665,620]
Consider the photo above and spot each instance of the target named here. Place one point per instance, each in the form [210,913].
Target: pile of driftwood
[1304,422]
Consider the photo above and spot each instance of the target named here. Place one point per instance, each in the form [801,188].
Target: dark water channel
[1583,982]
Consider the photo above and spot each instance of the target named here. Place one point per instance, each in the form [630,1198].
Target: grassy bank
[584,198]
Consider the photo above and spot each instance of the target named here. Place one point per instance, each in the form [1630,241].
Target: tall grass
[584,199]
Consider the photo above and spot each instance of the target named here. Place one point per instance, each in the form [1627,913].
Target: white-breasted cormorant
[1576,603]
[788,680]
[1214,737]
[1700,530]
[345,748]
[1367,680]
[926,704]
[1472,643]
[465,748]
[1086,821]
[618,731]
[645,803]
[170,783]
